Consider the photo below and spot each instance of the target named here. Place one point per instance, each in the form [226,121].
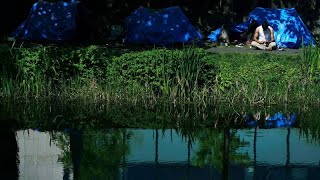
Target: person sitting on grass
[264,37]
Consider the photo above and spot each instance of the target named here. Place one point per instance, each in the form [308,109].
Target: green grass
[180,75]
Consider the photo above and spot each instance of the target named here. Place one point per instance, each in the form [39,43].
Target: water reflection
[161,154]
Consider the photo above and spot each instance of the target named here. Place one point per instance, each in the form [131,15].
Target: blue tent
[49,21]
[164,27]
[289,29]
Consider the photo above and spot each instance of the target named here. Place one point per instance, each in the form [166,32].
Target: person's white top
[264,35]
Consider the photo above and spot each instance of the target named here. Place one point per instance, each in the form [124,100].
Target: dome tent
[163,27]
[50,21]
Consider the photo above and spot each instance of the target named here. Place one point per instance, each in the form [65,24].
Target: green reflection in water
[211,148]
[94,154]
[185,118]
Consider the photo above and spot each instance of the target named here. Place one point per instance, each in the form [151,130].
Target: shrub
[62,63]
[159,69]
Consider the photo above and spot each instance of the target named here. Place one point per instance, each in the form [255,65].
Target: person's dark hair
[265,25]
[253,25]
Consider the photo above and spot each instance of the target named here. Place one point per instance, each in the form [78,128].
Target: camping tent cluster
[57,22]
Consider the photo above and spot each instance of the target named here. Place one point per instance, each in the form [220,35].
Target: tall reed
[311,56]
[187,66]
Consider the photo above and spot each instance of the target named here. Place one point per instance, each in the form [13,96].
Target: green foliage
[256,78]
[58,63]
[187,67]
[179,74]
[102,149]
[211,144]
[311,58]
[102,152]
[41,69]
[252,69]
[141,67]
[159,69]
[29,62]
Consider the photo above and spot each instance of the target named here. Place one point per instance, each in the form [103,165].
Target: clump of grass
[187,66]
[311,58]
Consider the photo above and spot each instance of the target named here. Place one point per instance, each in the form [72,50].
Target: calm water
[160,154]
[130,142]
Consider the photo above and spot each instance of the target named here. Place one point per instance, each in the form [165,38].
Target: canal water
[279,153]
[131,143]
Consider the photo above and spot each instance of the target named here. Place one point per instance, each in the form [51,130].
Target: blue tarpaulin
[49,21]
[163,27]
[289,29]
[214,36]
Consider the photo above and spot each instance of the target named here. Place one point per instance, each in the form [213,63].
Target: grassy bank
[187,75]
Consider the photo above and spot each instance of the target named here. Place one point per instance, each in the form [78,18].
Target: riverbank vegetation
[188,88]
[174,75]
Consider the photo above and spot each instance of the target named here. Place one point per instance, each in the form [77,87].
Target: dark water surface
[162,154]
[108,142]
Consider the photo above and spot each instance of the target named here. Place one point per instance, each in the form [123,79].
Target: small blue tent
[289,29]
[164,27]
[49,21]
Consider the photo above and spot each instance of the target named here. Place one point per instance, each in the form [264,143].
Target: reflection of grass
[184,117]
[57,114]
[211,149]
[102,155]
[310,123]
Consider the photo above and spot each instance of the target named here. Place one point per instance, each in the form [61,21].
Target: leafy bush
[159,69]
[61,63]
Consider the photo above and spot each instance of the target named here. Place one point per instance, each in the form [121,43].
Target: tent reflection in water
[289,29]
[163,27]
[278,120]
